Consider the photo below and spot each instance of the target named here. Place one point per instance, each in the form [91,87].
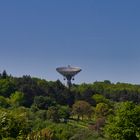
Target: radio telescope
[68,73]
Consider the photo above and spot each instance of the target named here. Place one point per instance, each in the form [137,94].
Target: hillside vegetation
[37,109]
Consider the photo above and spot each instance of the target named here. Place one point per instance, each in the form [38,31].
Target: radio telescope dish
[68,73]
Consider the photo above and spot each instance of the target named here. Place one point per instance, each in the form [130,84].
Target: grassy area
[80,123]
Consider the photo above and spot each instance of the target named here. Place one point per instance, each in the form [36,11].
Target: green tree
[13,125]
[125,124]
[100,99]
[41,114]
[4,102]
[53,114]
[81,109]
[64,112]
[102,110]
[84,92]
[43,102]
[6,87]
[4,74]
[107,82]
[16,99]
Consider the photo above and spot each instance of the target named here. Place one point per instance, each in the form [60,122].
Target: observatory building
[68,73]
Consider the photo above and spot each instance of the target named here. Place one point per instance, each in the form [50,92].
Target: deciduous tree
[81,109]
[125,124]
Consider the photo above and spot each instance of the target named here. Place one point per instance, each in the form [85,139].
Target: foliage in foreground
[33,108]
[13,125]
[125,124]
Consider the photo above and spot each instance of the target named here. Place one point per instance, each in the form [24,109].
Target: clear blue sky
[100,36]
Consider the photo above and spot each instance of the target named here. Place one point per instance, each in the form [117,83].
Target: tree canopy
[125,125]
[32,108]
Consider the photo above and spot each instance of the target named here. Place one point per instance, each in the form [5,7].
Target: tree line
[33,108]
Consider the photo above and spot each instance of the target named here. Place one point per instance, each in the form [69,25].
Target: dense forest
[36,109]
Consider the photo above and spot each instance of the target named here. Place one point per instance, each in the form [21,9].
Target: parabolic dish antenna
[68,73]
